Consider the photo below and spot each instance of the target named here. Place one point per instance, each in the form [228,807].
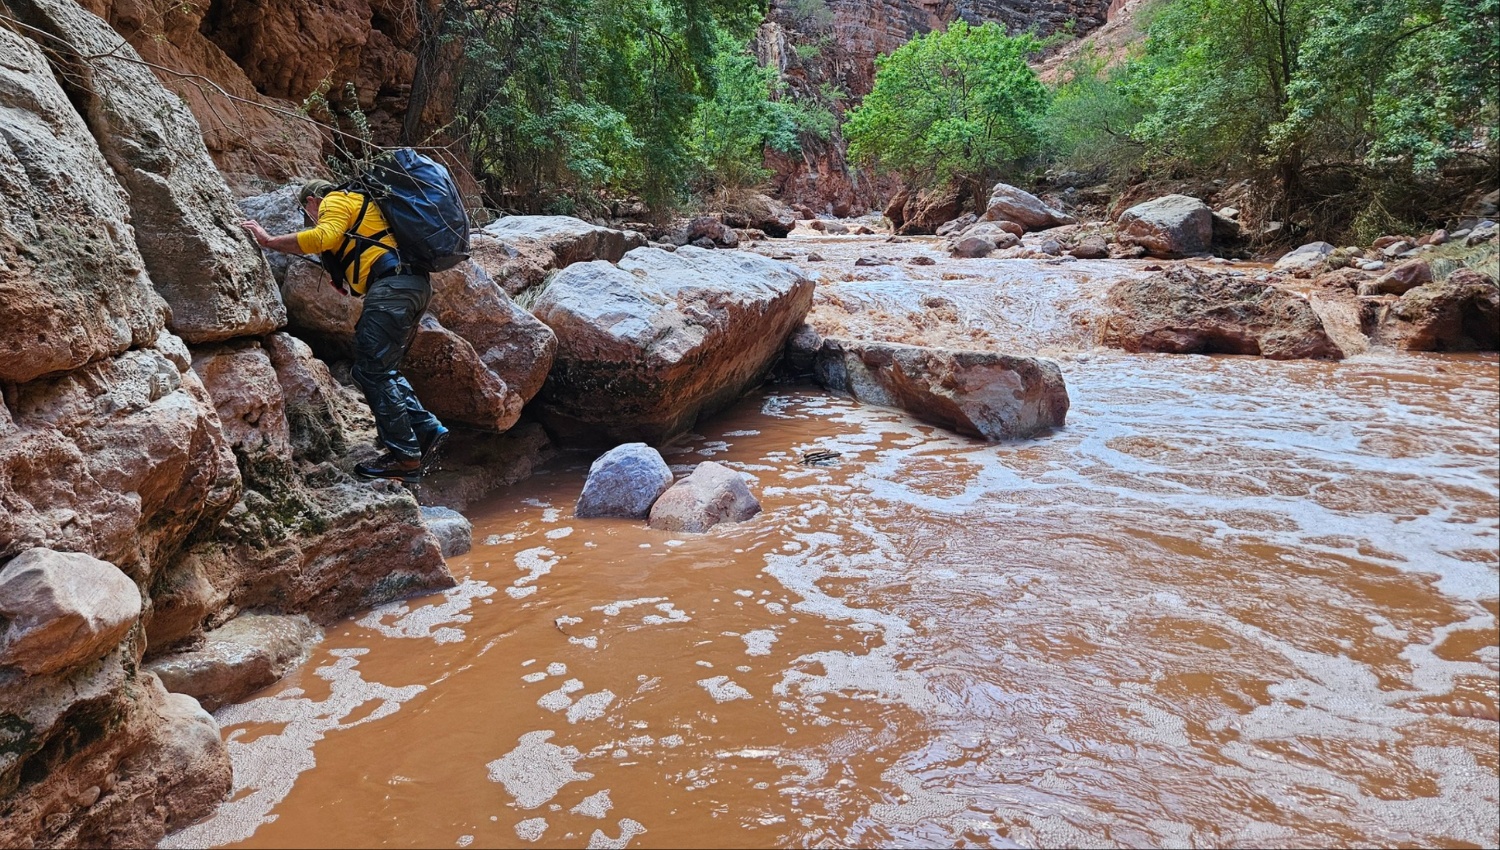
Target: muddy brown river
[1233,602]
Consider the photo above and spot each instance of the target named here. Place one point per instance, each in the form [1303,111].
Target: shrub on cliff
[960,106]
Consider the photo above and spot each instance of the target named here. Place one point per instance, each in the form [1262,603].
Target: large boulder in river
[647,347]
[62,609]
[624,482]
[925,210]
[975,393]
[518,251]
[1007,203]
[1399,280]
[763,213]
[1461,313]
[1186,311]
[73,286]
[1169,226]
[711,494]
[200,260]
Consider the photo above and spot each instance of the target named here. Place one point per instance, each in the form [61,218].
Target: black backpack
[422,209]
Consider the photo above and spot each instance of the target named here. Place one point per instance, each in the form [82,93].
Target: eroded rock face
[305,537]
[975,393]
[519,250]
[238,658]
[712,494]
[1169,226]
[121,459]
[1007,203]
[1186,311]
[1461,313]
[202,263]
[763,213]
[624,482]
[62,609]
[124,762]
[647,347]
[73,286]
[924,211]
[454,383]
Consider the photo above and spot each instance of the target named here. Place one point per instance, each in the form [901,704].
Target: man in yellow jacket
[358,251]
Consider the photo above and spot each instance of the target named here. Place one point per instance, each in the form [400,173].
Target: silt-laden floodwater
[1233,603]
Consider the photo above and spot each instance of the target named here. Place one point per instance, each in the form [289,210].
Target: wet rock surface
[238,658]
[518,251]
[1185,311]
[648,346]
[1461,313]
[711,494]
[454,533]
[975,393]
[624,482]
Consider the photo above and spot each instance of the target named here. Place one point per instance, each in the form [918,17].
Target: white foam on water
[759,641]
[559,533]
[533,678]
[594,805]
[531,829]
[722,689]
[267,766]
[557,668]
[590,706]
[535,771]
[537,561]
[628,829]
[613,609]
[431,621]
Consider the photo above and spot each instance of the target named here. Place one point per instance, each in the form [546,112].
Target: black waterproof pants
[386,328]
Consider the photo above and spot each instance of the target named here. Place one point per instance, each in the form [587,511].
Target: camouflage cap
[313,189]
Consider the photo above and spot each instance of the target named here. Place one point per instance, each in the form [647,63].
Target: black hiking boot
[391,465]
[431,447]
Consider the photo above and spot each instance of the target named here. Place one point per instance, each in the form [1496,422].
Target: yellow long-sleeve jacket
[338,215]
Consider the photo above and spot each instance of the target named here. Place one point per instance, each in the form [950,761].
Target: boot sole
[430,457]
[414,477]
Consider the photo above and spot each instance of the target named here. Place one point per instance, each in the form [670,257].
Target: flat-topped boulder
[519,250]
[238,658]
[976,393]
[1186,311]
[1169,226]
[647,347]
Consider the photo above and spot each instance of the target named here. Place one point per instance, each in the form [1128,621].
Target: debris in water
[818,457]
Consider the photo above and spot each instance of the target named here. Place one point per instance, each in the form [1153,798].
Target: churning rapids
[1234,602]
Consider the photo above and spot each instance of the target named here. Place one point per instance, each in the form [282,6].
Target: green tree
[957,106]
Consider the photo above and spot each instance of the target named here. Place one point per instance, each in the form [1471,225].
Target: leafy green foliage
[960,105]
[1345,106]
[567,101]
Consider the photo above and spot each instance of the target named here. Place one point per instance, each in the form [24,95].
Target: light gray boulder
[624,482]
[711,494]
[1007,203]
[238,658]
[975,393]
[75,286]
[1167,227]
[186,225]
[454,532]
[648,347]
[518,251]
[1307,258]
[63,609]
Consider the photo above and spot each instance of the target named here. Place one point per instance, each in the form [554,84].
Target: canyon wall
[169,456]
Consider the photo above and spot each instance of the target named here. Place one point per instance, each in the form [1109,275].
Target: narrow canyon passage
[1232,602]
